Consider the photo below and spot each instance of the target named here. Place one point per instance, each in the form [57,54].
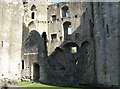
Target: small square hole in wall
[2,43]
[61,38]
[76,16]
[73,50]
[54,18]
[53,36]
[57,19]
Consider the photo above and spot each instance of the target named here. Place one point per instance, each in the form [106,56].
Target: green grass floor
[29,85]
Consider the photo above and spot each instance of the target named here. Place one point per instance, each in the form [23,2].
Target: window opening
[53,36]
[54,18]
[22,64]
[73,50]
[33,15]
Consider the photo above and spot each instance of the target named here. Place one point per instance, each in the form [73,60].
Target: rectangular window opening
[22,64]
[73,50]
[53,17]
[69,30]
[53,36]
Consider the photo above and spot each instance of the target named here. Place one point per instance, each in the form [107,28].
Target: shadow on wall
[32,39]
[72,63]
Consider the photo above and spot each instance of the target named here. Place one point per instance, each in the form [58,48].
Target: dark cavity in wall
[44,36]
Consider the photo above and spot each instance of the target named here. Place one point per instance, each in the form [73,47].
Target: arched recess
[32,26]
[85,50]
[71,49]
[33,12]
[65,11]
[67,29]
[36,72]
[87,62]
[33,8]
[44,36]
[32,39]
[57,59]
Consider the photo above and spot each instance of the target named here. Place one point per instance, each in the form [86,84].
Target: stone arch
[32,39]
[32,26]
[85,50]
[33,8]
[65,11]
[72,50]
[57,59]
[33,12]
[36,72]
[67,29]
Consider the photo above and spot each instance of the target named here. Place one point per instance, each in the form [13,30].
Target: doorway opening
[36,72]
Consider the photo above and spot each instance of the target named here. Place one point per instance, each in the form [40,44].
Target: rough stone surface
[65,44]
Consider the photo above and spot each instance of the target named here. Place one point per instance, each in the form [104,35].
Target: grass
[23,83]
[29,85]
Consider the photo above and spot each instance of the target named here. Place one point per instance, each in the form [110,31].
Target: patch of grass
[29,85]
[23,83]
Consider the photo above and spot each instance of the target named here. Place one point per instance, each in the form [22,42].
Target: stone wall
[96,38]
[11,17]
[106,40]
[65,68]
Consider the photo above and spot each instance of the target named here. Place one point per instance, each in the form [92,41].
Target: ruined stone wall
[11,16]
[65,68]
[33,28]
[106,40]
[75,10]
[39,23]
[96,62]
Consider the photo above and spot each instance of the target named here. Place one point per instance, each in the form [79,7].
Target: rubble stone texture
[67,43]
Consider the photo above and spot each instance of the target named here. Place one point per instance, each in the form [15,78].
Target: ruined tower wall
[11,16]
[99,26]
[62,67]
[33,29]
[106,39]
[75,10]
[40,15]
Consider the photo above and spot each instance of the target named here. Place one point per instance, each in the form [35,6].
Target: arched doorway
[36,72]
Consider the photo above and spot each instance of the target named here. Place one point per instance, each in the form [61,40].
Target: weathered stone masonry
[67,43]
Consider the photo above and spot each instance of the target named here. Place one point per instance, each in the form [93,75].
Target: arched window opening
[33,8]
[65,11]
[67,29]
[25,1]
[33,15]
[44,36]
